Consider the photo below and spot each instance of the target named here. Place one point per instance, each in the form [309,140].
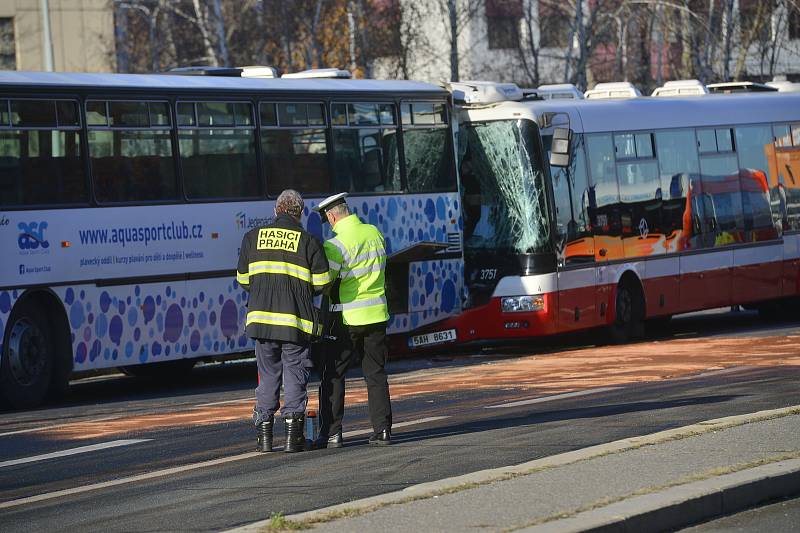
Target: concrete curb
[427,490]
[684,505]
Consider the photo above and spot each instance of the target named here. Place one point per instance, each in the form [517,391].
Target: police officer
[357,255]
[282,266]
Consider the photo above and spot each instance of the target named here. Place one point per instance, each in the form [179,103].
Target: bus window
[723,221]
[214,114]
[131,159]
[426,148]
[640,205]
[784,167]
[365,148]
[293,147]
[571,193]
[186,114]
[33,113]
[680,176]
[604,207]
[218,157]
[159,113]
[132,114]
[752,144]
[40,157]
[640,194]
[716,140]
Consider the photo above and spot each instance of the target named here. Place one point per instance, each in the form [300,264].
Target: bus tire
[628,314]
[28,363]
[163,371]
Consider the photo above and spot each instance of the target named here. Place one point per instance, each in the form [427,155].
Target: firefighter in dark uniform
[282,266]
[357,256]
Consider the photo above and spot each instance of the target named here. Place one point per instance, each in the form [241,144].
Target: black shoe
[295,439]
[264,435]
[334,441]
[381,438]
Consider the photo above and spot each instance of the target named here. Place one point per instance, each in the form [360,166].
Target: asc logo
[31,236]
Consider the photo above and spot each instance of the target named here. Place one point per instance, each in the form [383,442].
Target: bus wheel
[628,323]
[163,371]
[28,358]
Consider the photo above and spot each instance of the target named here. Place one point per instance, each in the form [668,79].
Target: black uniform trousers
[281,362]
[367,343]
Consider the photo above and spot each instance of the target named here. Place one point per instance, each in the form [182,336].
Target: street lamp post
[47,38]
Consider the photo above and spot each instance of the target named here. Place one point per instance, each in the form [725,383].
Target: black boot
[324,441]
[264,435]
[381,438]
[295,438]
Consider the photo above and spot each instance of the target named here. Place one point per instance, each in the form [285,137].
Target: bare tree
[458,15]
[529,48]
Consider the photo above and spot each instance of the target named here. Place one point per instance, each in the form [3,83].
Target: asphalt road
[148,457]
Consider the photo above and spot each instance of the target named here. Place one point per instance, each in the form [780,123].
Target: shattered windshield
[505,203]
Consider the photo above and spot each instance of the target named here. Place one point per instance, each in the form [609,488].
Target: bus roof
[172,82]
[649,113]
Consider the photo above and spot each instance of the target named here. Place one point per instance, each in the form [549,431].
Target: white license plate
[437,337]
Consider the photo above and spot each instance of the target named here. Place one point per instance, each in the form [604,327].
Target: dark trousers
[280,361]
[353,342]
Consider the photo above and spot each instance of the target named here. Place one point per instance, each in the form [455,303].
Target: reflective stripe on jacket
[282,266]
[358,256]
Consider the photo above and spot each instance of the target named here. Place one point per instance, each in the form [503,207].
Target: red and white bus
[665,206]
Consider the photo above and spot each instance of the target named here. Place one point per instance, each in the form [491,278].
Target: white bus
[124,198]
[665,206]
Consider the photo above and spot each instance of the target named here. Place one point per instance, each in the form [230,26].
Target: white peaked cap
[331,201]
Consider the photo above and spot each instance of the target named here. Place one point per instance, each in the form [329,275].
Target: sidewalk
[655,482]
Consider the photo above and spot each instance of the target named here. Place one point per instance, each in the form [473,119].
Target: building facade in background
[532,42]
[82,35]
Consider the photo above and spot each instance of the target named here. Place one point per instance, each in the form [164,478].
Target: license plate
[437,337]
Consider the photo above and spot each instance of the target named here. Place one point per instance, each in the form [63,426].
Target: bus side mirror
[561,149]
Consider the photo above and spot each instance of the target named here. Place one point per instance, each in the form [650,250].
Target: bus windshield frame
[504,186]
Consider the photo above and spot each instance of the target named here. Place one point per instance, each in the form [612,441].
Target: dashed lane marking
[420,421]
[72,451]
[56,426]
[174,470]
[360,432]
[551,398]
[126,480]
[226,402]
[712,373]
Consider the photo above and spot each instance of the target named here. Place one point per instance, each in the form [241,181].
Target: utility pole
[47,38]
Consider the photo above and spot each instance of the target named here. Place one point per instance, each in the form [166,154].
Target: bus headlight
[522,304]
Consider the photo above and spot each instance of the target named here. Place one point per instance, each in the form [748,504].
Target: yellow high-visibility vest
[357,255]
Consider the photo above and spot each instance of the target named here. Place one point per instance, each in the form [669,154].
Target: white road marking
[420,421]
[710,373]
[175,470]
[552,397]
[225,402]
[360,432]
[43,428]
[72,451]
[126,480]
